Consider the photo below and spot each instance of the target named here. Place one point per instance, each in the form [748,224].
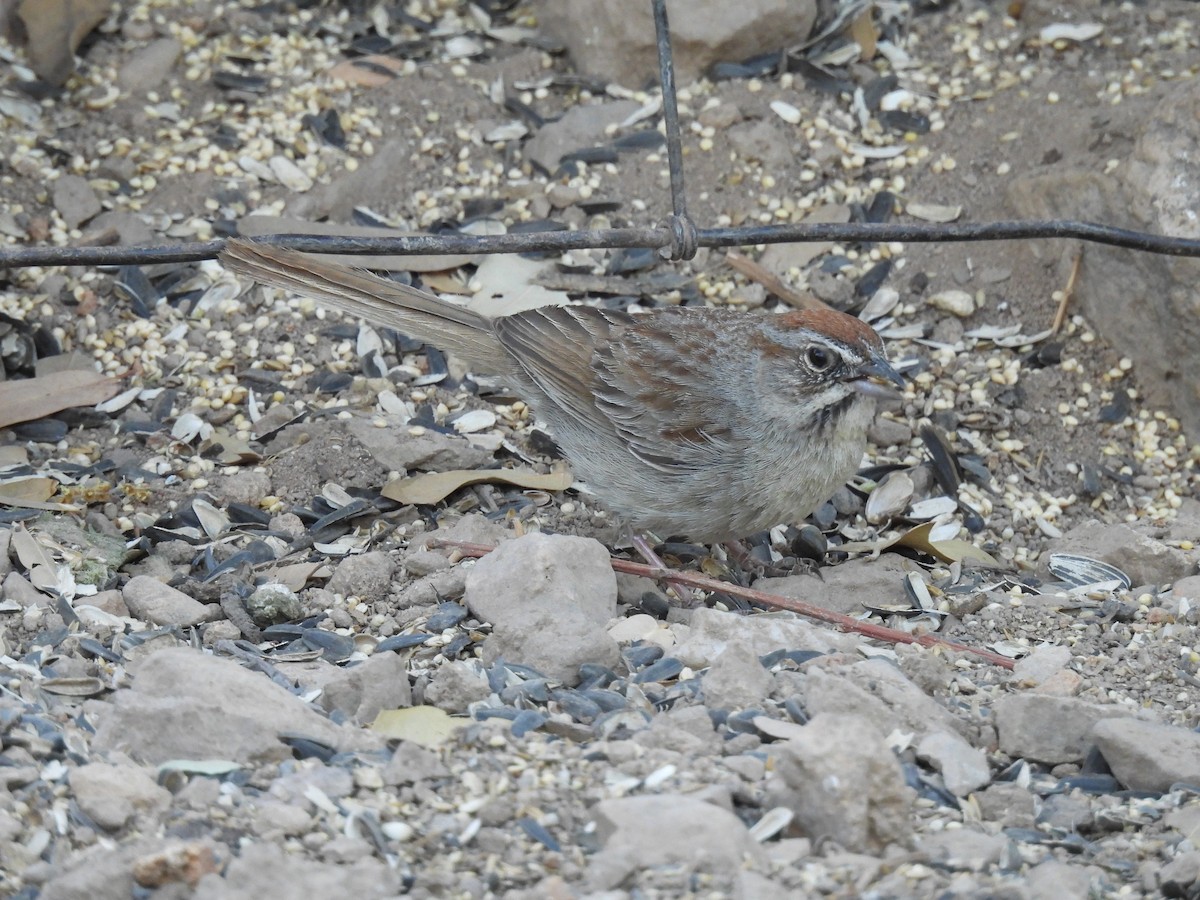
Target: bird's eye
[818,358]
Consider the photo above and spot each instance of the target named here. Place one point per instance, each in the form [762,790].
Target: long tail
[359,293]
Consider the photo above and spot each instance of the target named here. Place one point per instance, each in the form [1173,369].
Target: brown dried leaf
[368,71]
[864,33]
[427,726]
[435,486]
[33,398]
[29,551]
[36,489]
[947,551]
[295,576]
[54,30]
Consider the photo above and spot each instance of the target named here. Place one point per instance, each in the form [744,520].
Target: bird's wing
[645,385]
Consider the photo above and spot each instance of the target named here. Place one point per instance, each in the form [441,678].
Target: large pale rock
[842,781]
[1145,304]
[362,691]
[111,795]
[712,631]
[615,39]
[548,599]
[877,690]
[185,704]
[1145,559]
[668,830]
[264,870]
[1146,756]
[149,599]
[1049,729]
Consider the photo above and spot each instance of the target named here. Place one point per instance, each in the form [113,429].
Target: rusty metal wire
[678,238]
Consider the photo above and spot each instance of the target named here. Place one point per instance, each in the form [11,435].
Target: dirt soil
[1054,430]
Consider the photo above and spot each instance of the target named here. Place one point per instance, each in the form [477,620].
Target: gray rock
[1054,880]
[548,599]
[1040,665]
[1181,876]
[1146,756]
[5,546]
[684,729]
[578,128]
[100,872]
[736,679]
[471,529]
[762,141]
[1008,804]
[845,588]
[265,870]
[17,587]
[880,692]
[884,432]
[412,763]
[1069,812]
[367,575]
[1144,559]
[963,848]
[398,451]
[843,782]
[362,691]
[964,768]
[149,66]
[1049,729]
[615,40]
[1154,190]
[274,818]
[75,200]
[185,704]
[711,631]
[149,599]
[111,795]
[456,685]
[334,782]
[667,830]
[130,228]
[244,487]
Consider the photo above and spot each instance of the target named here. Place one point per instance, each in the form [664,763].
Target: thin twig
[772,282]
[845,623]
[652,238]
[1061,315]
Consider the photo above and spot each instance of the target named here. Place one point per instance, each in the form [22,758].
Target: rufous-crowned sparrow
[706,423]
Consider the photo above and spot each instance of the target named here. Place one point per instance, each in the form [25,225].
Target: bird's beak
[875,379]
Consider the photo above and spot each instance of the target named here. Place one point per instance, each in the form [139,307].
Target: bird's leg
[686,596]
[740,554]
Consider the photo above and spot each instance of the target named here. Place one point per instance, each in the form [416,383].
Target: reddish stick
[703,582]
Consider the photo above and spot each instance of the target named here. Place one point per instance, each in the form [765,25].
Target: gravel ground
[232,667]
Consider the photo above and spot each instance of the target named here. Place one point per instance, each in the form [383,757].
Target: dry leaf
[932,212]
[950,551]
[35,398]
[947,551]
[863,31]
[228,449]
[368,71]
[295,576]
[427,726]
[511,287]
[33,493]
[433,487]
[36,489]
